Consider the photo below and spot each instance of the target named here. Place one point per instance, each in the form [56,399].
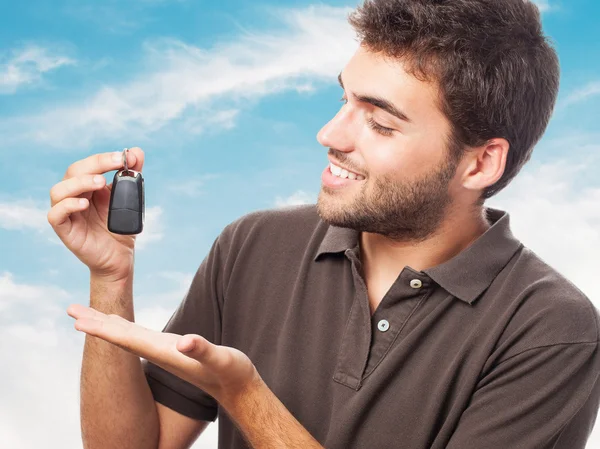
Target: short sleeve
[533,399]
[198,313]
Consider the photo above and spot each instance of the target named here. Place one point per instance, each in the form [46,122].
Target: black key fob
[126,209]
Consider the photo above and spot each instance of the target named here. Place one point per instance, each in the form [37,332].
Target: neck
[384,258]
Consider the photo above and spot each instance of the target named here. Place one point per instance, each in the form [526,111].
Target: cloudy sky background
[226,99]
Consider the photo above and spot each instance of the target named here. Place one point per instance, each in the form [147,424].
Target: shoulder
[281,227]
[290,215]
[547,308]
[279,221]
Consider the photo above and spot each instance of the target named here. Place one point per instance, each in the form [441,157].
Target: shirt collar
[467,274]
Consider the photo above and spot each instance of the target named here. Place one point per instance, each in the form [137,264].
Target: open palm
[220,371]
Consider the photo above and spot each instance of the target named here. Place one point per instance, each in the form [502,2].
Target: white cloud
[14,295]
[153,228]
[40,383]
[26,67]
[543,5]
[118,16]
[589,90]
[181,77]
[198,124]
[554,211]
[297,198]
[40,367]
[42,355]
[192,187]
[308,87]
[26,215]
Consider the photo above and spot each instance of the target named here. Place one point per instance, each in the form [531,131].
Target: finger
[199,348]
[186,343]
[105,162]
[73,187]
[101,328]
[78,311]
[121,332]
[137,161]
[156,347]
[90,326]
[59,215]
[104,327]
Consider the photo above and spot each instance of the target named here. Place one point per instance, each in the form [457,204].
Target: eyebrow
[379,102]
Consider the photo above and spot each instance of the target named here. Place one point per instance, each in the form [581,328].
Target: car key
[126,209]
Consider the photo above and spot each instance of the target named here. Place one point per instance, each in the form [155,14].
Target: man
[398,312]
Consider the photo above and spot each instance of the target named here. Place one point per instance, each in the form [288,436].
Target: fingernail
[98,179]
[117,155]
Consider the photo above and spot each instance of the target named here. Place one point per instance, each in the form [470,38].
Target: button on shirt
[383,325]
[490,349]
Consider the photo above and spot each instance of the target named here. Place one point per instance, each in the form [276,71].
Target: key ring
[125,150]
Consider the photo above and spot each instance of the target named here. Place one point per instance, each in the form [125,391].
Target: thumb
[197,347]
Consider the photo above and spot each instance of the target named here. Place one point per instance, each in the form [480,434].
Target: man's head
[475,82]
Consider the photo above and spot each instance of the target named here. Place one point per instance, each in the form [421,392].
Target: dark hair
[497,73]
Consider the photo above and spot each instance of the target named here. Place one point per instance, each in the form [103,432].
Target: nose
[338,132]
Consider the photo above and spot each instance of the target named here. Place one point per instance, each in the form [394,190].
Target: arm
[264,420]
[117,407]
[224,373]
[176,430]
[533,399]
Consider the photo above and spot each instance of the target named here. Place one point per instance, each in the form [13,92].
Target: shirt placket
[398,305]
[367,339]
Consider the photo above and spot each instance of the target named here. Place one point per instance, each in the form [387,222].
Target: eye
[373,124]
[378,128]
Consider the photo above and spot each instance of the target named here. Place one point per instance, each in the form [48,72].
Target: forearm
[265,422]
[117,407]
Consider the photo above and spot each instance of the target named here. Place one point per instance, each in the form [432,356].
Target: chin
[332,210]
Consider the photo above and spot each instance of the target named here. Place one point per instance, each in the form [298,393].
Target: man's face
[407,187]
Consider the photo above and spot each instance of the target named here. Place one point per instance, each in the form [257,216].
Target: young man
[397,312]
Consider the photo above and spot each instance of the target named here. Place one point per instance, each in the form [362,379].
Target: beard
[404,211]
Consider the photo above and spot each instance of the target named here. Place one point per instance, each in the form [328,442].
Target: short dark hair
[497,73]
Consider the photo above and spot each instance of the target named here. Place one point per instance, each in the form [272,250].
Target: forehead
[374,74]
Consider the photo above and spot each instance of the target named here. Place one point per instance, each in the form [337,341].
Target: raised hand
[82,226]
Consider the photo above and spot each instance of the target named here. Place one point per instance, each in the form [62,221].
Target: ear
[485,165]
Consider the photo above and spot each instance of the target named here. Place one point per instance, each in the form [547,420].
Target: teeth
[343,173]
[335,169]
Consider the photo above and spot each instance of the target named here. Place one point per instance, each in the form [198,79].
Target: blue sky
[226,99]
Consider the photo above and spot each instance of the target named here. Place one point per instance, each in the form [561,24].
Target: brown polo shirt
[491,349]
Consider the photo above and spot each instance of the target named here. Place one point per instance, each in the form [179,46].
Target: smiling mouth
[343,173]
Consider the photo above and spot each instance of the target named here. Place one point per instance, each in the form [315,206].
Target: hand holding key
[79,214]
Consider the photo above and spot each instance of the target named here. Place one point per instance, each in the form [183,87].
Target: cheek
[403,156]
[414,156]
[386,157]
